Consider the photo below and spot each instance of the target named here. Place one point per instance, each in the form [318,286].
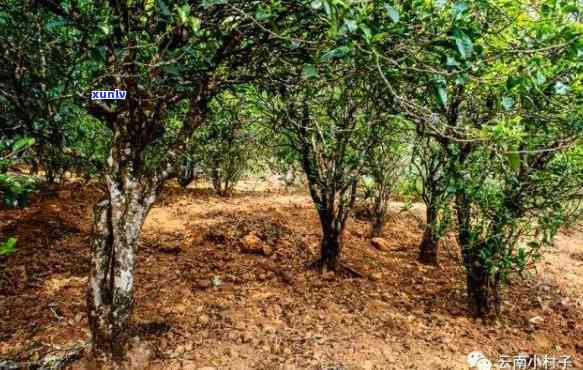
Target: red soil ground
[202,303]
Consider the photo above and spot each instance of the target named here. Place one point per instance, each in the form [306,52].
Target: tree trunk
[483,297]
[380,212]
[185,173]
[34,167]
[483,291]
[216,180]
[331,244]
[378,226]
[429,244]
[118,219]
[428,248]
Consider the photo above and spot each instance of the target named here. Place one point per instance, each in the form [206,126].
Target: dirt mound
[39,252]
[230,233]
[51,260]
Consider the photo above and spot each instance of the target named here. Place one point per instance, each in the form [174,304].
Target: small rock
[536,320]
[204,283]
[542,304]
[262,277]
[232,336]
[180,349]
[203,319]
[267,250]
[217,281]
[64,194]
[328,276]
[251,243]
[376,276]
[287,276]
[287,351]
[367,365]
[246,337]
[380,244]
[270,329]
[139,355]
[78,317]
[442,339]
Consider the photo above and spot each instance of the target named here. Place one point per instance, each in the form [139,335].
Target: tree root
[339,269]
[58,359]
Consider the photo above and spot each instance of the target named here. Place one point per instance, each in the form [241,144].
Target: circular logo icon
[477,360]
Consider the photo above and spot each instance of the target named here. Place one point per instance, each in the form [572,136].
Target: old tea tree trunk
[132,188]
[429,243]
[118,219]
[333,206]
[429,159]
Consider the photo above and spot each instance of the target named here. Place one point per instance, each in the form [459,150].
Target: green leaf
[105,29]
[514,160]
[451,61]
[459,9]
[208,3]
[22,143]
[507,102]
[8,247]
[561,88]
[513,81]
[262,14]
[4,17]
[540,78]
[172,69]
[195,24]
[461,80]
[163,8]
[327,8]
[182,12]
[351,25]
[442,95]
[393,13]
[440,4]
[339,52]
[310,71]
[367,32]
[55,23]
[464,44]
[316,4]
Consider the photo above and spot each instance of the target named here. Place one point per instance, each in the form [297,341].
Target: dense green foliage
[14,188]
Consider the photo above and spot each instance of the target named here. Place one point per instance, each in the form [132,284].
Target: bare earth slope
[222,283]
